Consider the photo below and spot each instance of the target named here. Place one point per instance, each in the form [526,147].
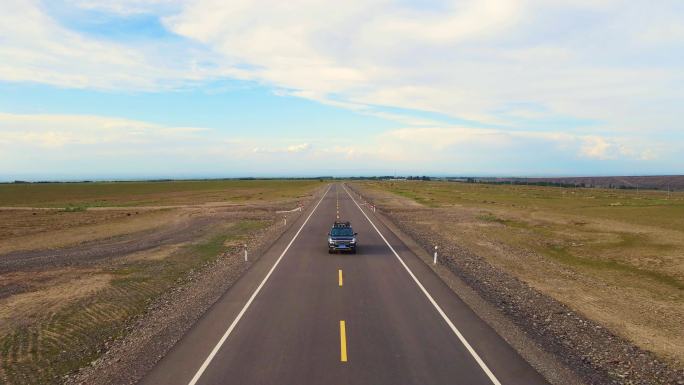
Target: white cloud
[37,48]
[428,144]
[596,147]
[614,63]
[622,148]
[299,147]
[96,145]
[126,7]
[292,149]
[61,131]
[461,21]
[79,146]
[465,59]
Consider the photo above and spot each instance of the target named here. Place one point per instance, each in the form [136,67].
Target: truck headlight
[330,241]
[353,240]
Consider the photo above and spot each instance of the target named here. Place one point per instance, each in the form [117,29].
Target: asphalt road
[303,316]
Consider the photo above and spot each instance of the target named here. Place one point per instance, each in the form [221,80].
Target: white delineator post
[245,253]
[434,260]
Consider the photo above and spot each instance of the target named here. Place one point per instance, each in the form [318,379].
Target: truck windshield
[341,231]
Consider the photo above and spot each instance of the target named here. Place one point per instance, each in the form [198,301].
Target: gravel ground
[149,337]
[589,350]
[92,252]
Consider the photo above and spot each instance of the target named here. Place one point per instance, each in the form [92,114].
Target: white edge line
[460,336]
[211,355]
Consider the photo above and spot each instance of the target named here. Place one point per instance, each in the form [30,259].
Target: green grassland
[76,196]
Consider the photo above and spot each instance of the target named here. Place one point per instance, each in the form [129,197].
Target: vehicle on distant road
[342,238]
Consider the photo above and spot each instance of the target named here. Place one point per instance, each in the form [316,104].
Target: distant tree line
[388,177]
[523,182]
[550,184]
[168,180]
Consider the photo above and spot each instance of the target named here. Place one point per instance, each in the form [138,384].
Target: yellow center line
[340,276]
[343,342]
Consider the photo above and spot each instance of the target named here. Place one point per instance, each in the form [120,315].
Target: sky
[136,89]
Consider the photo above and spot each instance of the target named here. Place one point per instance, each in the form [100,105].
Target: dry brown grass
[129,194]
[21,230]
[62,317]
[615,256]
[55,293]
[156,254]
[56,314]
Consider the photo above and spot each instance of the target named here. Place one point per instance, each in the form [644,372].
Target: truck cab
[342,238]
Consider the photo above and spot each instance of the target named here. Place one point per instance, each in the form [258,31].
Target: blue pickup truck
[342,238]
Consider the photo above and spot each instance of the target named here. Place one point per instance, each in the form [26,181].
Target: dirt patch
[156,254]
[21,230]
[18,223]
[120,239]
[20,309]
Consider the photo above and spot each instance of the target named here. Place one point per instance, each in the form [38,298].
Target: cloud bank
[86,144]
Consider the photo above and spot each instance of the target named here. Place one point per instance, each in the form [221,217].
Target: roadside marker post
[434,260]
[245,253]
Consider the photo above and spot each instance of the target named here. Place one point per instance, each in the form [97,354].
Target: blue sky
[104,89]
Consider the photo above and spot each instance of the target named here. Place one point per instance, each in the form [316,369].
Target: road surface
[303,316]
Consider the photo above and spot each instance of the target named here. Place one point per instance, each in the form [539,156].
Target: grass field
[47,333]
[615,255]
[76,196]
[59,313]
